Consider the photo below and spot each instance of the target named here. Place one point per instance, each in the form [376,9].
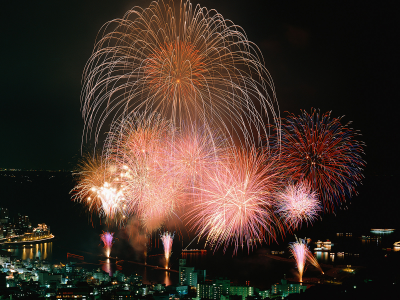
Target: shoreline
[51,237]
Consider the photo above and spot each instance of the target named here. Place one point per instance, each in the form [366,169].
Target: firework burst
[319,149]
[297,203]
[141,148]
[100,189]
[196,151]
[234,202]
[167,239]
[187,63]
[107,238]
[302,254]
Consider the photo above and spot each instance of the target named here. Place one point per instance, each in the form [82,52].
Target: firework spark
[167,239]
[302,254]
[297,203]
[322,151]
[100,189]
[141,148]
[196,151]
[107,238]
[187,63]
[234,203]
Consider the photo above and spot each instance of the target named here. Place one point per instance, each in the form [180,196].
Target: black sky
[332,56]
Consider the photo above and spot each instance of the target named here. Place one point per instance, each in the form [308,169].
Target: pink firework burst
[141,147]
[196,150]
[233,204]
[297,203]
[167,239]
[302,254]
[107,238]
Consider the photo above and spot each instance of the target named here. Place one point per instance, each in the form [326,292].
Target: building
[284,288]
[242,291]
[46,278]
[189,276]
[224,284]
[208,291]
[4,216]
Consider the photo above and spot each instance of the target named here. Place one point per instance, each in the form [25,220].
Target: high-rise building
[185,273]
[243,291]
[224,284]
[209,291]
[284,288]
[4,216]
[189,276]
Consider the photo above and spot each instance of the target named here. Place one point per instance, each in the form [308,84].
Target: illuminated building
[264,294]
[396,246]
[102,276]
[224,284]
[382,231]
[243,291]
[184,272]
[74,293]
[189,276]
[284,288]
[209,291]
[176,290]
[4,216]
[46,279]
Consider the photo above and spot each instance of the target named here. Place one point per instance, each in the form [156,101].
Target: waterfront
[44,196]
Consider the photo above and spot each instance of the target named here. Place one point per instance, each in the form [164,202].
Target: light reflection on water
[357,249]
[106,266]
[39,251]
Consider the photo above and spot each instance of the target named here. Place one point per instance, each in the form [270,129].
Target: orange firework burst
[101,189]
[187,63]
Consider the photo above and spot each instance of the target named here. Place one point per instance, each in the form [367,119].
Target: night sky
[339,57]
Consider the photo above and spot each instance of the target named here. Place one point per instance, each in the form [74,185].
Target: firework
[233,203]
[187,63]
[299,252]
[196,151]
[141,148]
[297,203]
[302,254]
[100,189]
[167,239]
[107,238]
[322,151]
